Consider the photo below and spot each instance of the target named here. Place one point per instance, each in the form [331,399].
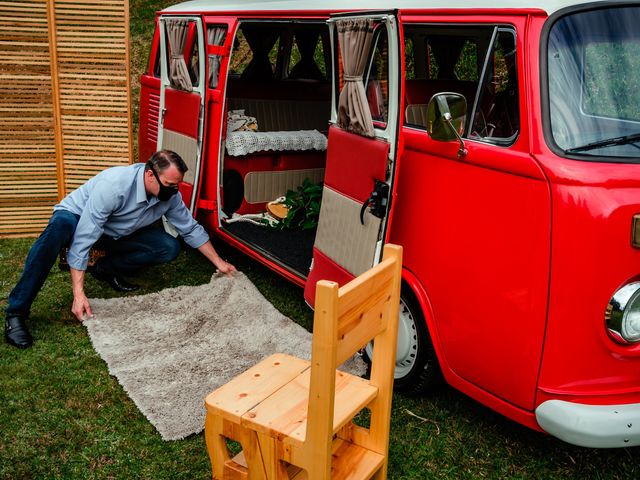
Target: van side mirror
[446,114]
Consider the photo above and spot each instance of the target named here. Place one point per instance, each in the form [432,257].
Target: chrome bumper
[595,426]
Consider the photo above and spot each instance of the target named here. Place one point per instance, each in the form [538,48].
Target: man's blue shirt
[115,203]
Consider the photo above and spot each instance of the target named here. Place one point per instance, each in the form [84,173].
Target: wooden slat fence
[65,104]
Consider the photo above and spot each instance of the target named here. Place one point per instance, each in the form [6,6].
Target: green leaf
[304,206]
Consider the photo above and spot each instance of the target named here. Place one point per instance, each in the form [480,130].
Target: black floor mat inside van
[294,248]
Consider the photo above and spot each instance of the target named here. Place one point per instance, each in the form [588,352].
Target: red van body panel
[593,205]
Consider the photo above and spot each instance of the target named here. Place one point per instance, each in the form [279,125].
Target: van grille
[152,119]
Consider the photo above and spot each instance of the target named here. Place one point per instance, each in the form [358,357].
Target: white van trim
[593,426]
[549,6]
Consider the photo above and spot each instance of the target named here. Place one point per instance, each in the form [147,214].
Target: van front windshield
[593,61]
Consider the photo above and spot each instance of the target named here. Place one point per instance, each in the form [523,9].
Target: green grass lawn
[63,416]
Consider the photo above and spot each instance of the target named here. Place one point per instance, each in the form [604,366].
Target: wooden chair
[294,418]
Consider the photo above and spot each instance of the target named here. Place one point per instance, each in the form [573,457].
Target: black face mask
[165,193]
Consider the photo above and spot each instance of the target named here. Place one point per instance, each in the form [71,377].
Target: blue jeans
[125,256]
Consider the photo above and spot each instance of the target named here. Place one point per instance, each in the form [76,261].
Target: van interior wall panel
[283,105]
[64,103]
[186,147]
[280,90]
[273,168]
[261,187]
[284,115]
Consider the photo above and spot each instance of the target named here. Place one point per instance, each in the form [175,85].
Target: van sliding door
[182,93]
[362,147]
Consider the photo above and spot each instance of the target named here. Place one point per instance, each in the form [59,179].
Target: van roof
[549,6]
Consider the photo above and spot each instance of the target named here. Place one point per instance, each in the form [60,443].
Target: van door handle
[377,201]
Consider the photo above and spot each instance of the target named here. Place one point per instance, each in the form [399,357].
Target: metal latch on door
[377,201]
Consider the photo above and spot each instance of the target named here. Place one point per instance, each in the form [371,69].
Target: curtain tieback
[352,78]
[176,56]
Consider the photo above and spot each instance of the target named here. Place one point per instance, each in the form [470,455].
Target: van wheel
[417,368]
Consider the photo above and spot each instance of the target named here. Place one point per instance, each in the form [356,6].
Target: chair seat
[251,387]
[284,413]
[350,462]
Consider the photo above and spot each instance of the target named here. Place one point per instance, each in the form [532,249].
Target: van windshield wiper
[606,143]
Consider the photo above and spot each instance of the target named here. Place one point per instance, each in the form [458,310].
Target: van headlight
[622,316]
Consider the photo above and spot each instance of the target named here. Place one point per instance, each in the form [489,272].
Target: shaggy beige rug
[170,349]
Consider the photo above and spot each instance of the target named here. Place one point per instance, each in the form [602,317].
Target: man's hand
[80,301]
[80,307]
[223,266]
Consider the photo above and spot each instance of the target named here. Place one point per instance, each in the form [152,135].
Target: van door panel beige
[184,146]
[342,237]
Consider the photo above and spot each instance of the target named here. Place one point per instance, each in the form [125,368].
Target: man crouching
[115,211]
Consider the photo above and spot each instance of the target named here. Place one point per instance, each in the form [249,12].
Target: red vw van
[498,142]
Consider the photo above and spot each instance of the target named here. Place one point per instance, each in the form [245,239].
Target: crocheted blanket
[245,142]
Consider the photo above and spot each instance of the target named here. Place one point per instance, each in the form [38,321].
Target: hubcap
[407,349]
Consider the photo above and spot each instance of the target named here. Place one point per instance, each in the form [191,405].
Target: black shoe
[16,332]
[117,282]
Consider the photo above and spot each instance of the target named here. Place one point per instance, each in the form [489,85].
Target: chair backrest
[345,320]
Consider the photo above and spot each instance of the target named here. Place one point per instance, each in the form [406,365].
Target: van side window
[255,53]
[156,63]
[466,67]
[496,118]
[216,35]
[182,35]
[377,78]
[478,62]
[308,55]
[241,56]
[193,59]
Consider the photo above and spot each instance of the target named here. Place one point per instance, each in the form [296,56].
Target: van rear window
[276,51]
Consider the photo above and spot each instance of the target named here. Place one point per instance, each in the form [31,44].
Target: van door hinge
[207,204]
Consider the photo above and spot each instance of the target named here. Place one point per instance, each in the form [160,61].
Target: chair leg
[216,432]
[252,454]
[216,444]
[274,467]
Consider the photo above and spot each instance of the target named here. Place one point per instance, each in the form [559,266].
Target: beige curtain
[178,72]
[355,37]
[215,36]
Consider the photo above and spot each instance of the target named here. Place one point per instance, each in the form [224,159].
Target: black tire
[417,369]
